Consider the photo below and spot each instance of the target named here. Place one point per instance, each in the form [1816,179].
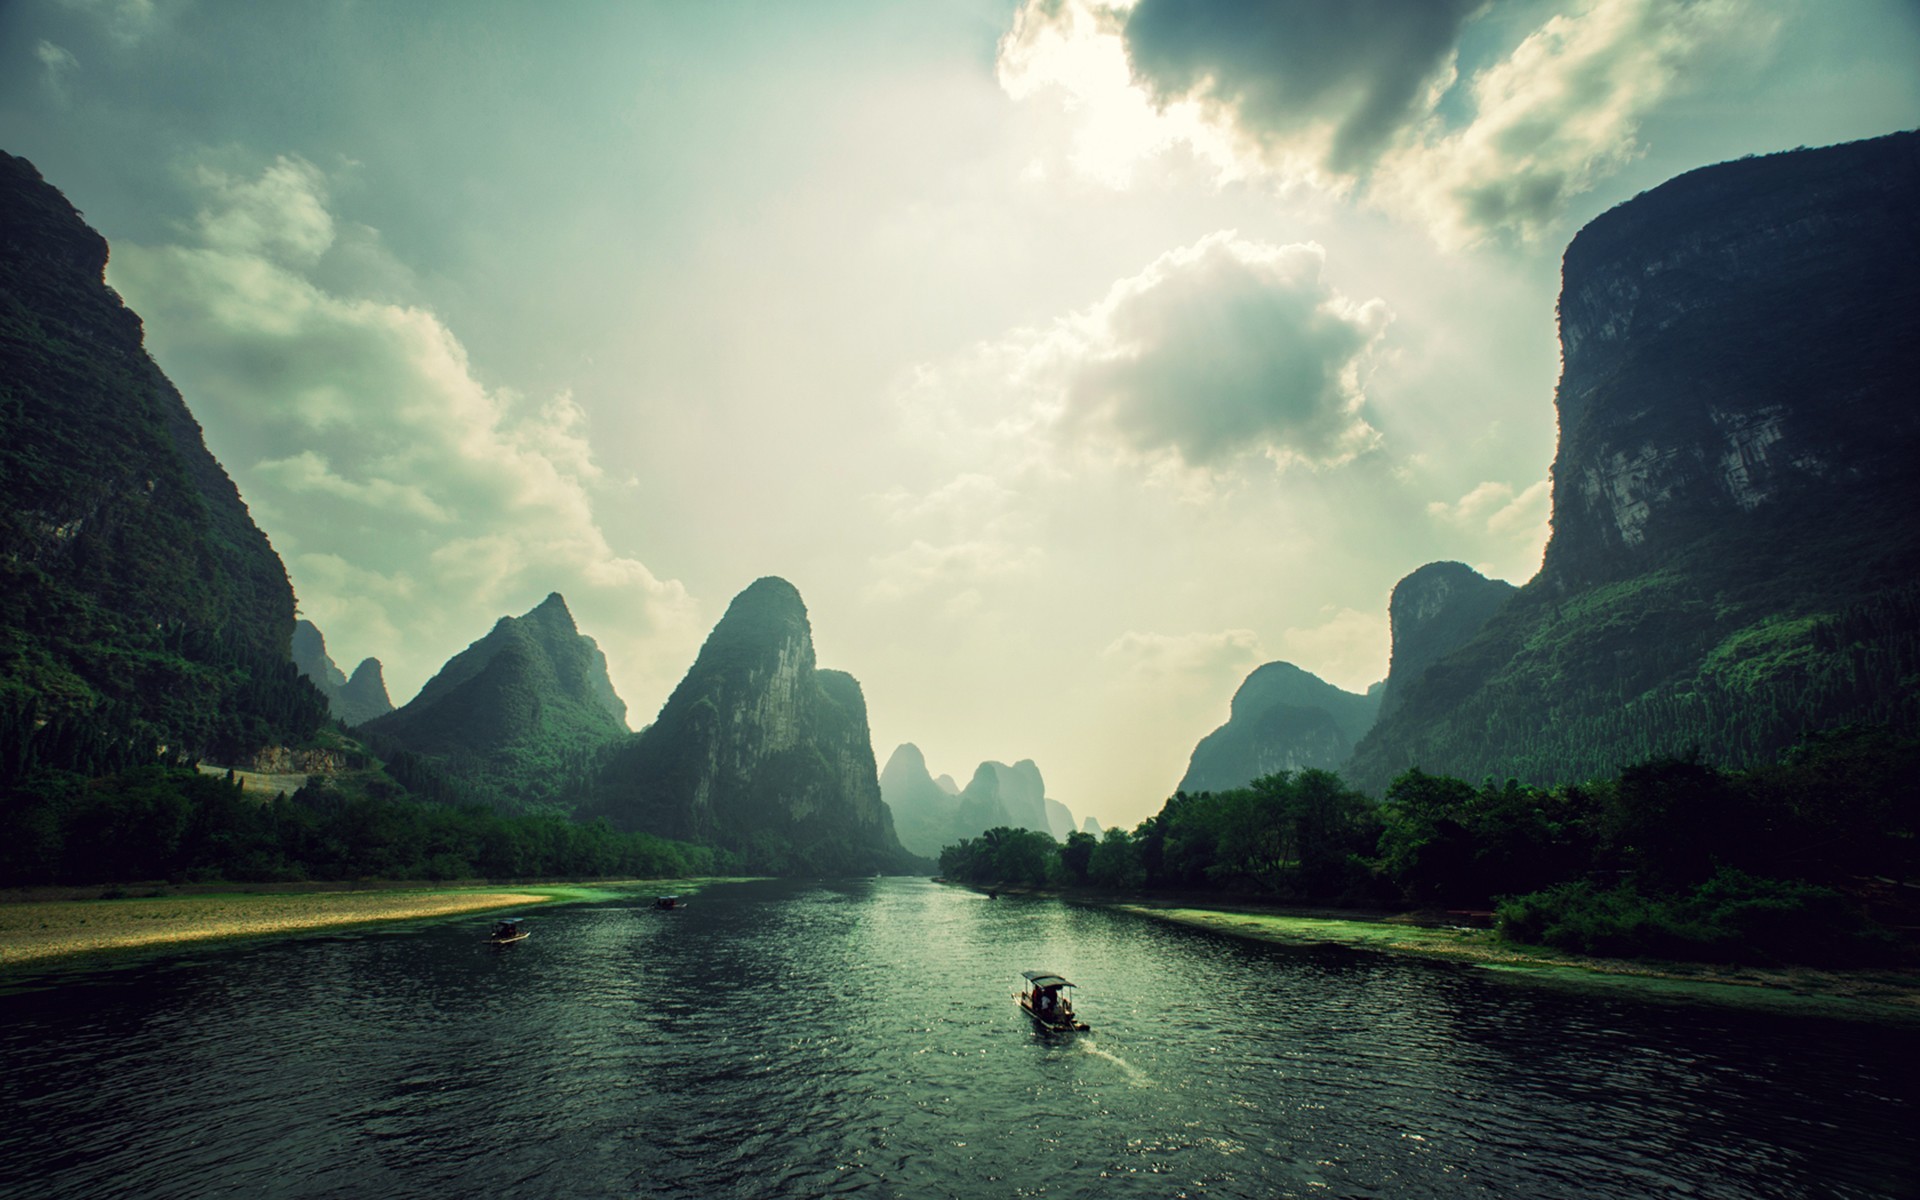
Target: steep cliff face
[1282,719]
[137,597]
[1734,554]
[1433,612]
[1737,343]
[517,716]
[355,700]
[759,752]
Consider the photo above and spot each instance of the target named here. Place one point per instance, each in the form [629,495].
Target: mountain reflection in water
[788,1040]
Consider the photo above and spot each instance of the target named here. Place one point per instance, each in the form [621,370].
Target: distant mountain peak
[760,751]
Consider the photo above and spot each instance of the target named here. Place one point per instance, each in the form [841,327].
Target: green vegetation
[142,613]
[158,822]
[1791,862]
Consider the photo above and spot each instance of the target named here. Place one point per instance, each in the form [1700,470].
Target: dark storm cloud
[1286,67]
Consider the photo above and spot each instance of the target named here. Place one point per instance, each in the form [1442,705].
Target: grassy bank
[42,932]
[1871,994]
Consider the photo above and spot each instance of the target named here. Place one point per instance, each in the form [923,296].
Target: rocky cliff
[1431,613]
[923,811]
[354,700]
[140,607]
[1281,719]
[518,716]
[1734,552]
[760,752]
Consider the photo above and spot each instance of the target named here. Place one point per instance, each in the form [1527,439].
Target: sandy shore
[1871,994]
[39,931]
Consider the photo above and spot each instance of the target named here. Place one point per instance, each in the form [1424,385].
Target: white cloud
[1510,527]
[1204,659]
[1560,112]
[414,505]
[1227,348]
[1218,353]
[951,569]
[56,62]
[1349,649]
[1074,50]
[280,216]
[1368,95]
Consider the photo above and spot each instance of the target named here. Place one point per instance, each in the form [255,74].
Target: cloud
[1197,663]
[57,62]
[1331,84]
[1226,348]
[1367,96]
[1560,112]
[1512,526]
[952,569]
[413,504]
[127,21]
[1349,649]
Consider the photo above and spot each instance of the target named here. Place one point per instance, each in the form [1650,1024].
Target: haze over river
[858,1038]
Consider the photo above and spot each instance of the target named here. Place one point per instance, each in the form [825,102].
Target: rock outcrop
[1433,612]
[354,700]
[759,752]
[142,604]
[517,716]
[1734,558]
[1282,719]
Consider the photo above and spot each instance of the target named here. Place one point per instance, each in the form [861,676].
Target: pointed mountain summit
[1283,718]
[759,752]
[518,714]
[354,701]
[923,811]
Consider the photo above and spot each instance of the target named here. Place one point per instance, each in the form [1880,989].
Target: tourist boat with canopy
[1045,997]
[507,932]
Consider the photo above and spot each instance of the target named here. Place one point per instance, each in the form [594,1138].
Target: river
[859,1038]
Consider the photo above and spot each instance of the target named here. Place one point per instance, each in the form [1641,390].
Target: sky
[1071,358]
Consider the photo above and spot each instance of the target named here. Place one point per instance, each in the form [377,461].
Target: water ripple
[858,1039]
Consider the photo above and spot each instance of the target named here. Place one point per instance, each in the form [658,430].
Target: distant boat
[669,902]
[1044,996]
[507,931]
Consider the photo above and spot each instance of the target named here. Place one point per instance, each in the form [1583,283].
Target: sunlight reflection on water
[858,1038]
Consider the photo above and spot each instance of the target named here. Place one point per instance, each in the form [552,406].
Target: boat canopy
[1044,979]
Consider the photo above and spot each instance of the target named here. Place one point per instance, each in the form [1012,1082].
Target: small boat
[666,902]
[507,932]
[1044,996]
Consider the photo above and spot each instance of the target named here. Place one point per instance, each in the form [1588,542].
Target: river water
[859,1038]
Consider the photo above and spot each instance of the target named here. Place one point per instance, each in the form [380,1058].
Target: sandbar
[1885,994]
[36,932]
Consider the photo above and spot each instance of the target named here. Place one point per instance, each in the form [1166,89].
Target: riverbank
[1865,993]
[51,929]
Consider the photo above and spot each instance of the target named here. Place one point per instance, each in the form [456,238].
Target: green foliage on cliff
[136,595]
[1734,550]
[154,823]
[758,753]
[521,719]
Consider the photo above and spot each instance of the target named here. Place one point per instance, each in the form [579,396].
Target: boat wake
[1133,1073]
